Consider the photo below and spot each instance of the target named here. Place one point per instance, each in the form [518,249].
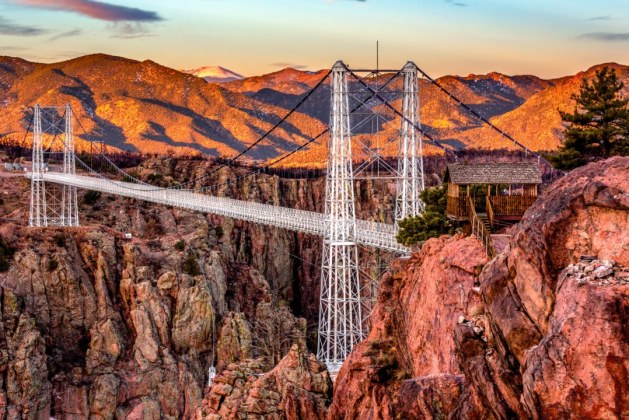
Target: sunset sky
[548,38]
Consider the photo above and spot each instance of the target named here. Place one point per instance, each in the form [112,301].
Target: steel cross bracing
[38,215]
[410,182]
[340,312]
[371,234]
[50,206]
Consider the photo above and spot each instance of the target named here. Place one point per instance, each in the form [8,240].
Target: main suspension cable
[481,118]
[431,139]
[242,153]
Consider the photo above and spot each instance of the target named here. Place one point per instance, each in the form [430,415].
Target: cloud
[129,30]
[95,9]
[456,3]
[606,36]
[12,48]
[608,17]
[9,28]
[68,34]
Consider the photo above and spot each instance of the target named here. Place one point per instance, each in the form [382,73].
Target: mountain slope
[143,106]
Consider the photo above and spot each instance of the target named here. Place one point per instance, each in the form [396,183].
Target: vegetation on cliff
[6,255]
[432,223]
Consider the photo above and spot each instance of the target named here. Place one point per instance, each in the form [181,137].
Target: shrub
[154,177]
[52,264]
[432,223]
[219,231]
[384,355]
[180,245]
[91,197]
[190,266]
[60,241]
[6,255]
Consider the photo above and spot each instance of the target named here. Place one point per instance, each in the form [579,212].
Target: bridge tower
[69,201]
[49,207]
[410,153]
[340,317]
[38,214]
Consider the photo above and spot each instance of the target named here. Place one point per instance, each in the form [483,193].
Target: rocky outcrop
[411,336]
[27,384]
[94,324]
[299,387]
[541,321]
[129,325]
[235,344]
[580,367]
[541,333]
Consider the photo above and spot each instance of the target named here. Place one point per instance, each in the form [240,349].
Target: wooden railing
[511,205]
[490,211]
[456,206]
[479,230]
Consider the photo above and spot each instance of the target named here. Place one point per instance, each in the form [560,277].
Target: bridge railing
[369,233]
[479,230]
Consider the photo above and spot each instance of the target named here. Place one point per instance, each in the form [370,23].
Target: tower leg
[410,182]
[70,208]
[52,206]
[340,316]
[38,213]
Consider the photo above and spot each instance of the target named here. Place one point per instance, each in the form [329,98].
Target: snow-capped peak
[215,74]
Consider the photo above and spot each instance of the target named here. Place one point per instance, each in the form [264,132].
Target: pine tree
[432,223]
[599,125]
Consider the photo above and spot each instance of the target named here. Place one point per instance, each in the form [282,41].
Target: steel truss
[410,181]
[340,314]
[51,205]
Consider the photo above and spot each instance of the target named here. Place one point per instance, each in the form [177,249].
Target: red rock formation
[411,337]
[545,337]
[299,387]
[123,310]
[541,326]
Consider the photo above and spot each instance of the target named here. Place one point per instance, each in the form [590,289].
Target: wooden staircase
[480,228]
[485,219]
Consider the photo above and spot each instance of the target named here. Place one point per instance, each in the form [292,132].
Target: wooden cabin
[499,192]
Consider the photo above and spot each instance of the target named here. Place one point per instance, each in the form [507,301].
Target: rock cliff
[541,332]
[299,387]
[96,324]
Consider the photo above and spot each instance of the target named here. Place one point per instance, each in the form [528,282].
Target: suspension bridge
[341,317]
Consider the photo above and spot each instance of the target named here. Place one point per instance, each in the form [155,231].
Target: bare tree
[275,330]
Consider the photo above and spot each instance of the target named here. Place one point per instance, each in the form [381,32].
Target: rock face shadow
[205,127]
[157,132]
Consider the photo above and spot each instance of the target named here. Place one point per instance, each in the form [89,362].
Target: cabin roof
[493,173]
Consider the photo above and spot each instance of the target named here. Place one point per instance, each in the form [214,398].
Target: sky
[548,38]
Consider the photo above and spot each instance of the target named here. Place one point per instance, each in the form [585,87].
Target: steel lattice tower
[47,208]
[410,153]
[38,215]
[69,202]
[340,317]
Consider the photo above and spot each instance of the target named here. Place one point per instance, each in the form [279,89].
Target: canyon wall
[541,332]
[95,324]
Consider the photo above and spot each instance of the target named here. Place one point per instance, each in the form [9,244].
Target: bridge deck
[372,234]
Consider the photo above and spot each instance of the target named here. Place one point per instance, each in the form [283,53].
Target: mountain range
[142,106]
